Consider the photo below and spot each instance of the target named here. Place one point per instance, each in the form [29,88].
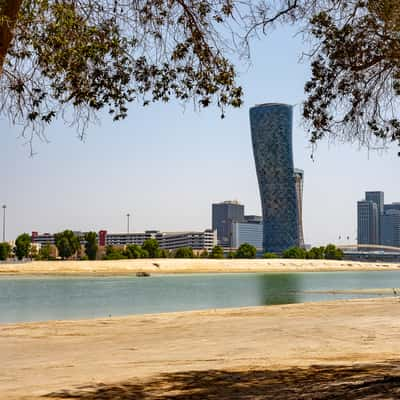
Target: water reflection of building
[280,187]
[279,288]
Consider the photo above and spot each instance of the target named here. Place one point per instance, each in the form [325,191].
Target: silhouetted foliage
[74,58]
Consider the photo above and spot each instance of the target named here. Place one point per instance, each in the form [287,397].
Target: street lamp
[127,216]
[4,222]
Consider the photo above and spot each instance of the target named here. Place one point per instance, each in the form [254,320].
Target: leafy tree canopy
[217,252]
[295,252]
[204,254]
[246,250]
[67,243]
[270,255]
[316,253]
[22,246]
[184,252]
[91,245]
[333,253]
[72,58]
[5,251]
[164,253]
[114,253]
[330,252]
[152,247]
[45,252]
[135,251]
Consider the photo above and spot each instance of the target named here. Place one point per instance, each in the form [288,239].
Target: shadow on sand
[378,381]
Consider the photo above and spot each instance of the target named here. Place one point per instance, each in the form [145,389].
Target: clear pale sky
[165,165]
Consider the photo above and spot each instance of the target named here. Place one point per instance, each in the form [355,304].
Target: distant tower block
[299,179]
[280,186]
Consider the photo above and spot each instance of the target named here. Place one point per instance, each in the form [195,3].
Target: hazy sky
[165,164]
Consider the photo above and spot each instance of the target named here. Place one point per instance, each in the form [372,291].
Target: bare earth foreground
[335,350]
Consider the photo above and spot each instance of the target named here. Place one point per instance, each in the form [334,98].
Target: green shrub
[295,252]
[184,252]
[217,252]
[270,255]
[246,250]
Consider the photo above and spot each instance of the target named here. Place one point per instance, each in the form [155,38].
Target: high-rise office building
[223,215]
[299,178]
[367,222]
[390,235]
[379,199]
[247,232]
[393,206]
[271,130]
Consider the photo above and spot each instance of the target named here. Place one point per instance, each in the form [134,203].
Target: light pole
[4,222]
[127,216]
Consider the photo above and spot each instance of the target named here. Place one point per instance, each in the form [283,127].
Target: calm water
[45,298]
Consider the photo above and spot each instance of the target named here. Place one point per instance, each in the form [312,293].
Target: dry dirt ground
[336,350]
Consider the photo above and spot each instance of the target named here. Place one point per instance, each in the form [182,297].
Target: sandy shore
[176,266]
[274,352]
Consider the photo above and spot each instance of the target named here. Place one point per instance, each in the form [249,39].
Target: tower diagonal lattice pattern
[271,130]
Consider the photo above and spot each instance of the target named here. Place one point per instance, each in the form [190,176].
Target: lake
[40,298]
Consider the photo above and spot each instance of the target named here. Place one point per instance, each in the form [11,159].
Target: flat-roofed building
[390,234]
[49,238]
[367,222]
[223,215]
[378,198]
[204,240]
[247,232]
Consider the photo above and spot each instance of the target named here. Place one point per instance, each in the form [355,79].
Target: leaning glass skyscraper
[271,131]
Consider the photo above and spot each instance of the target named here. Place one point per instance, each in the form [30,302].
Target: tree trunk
[8,17]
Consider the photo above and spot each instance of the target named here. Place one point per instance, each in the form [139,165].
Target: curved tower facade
[271,131]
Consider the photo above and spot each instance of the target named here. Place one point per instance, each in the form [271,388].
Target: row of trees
[151,249]
[69,245]
[66,242]
[330,252]
[21,250]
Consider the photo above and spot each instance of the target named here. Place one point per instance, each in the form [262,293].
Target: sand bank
[178,266]
[209,354]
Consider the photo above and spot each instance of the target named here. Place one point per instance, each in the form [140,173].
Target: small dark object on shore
[156,265]
[141,274]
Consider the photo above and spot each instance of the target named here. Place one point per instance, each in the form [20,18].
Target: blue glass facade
[271,131]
